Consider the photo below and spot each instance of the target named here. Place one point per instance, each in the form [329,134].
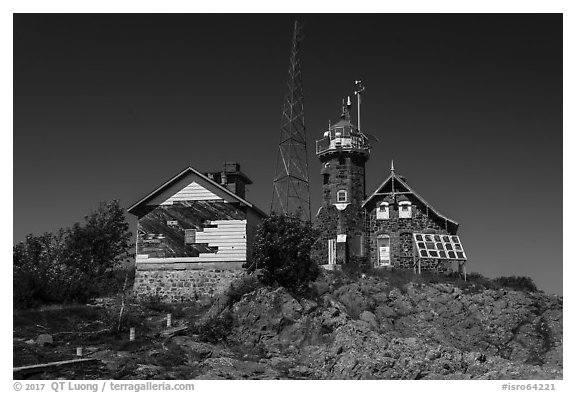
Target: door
[383,250]
[332,251]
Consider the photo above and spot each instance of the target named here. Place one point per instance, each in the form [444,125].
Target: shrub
[155,303]
[282,251]
[74,264]
[240,287]
[357,266]
[217,329]
[517,283]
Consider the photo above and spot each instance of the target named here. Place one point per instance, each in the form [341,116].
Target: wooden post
[464,270]
[169,320]
[414,253]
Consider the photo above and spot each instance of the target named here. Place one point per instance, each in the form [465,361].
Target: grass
[399,278]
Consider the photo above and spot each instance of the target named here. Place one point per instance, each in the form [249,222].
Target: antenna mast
[358,92]
[291,190]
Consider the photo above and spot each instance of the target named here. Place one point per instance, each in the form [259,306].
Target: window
[326,178]
[342,196]
[383,243]
[405,209]
[383,211]
[189,236]
[447,247]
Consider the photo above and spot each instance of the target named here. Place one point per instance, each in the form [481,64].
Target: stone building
[194,233]
[394,227]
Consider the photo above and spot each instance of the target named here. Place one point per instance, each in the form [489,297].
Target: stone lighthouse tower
[343,152]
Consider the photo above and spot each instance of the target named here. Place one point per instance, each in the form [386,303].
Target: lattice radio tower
[291,191]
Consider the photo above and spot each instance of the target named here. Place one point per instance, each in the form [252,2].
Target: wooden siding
[184,190]
[216,240]
[159,236]
[230,238]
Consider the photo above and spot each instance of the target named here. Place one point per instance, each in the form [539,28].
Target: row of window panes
[437,238]
[442,254]
[439,246]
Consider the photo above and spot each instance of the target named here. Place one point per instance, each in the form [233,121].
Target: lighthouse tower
[343,152]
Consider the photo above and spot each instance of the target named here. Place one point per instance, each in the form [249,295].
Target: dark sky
[468,106]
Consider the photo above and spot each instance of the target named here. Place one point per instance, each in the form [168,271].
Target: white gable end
[184,190]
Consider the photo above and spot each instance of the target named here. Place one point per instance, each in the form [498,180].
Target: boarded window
[383,211]
[189,236]
[405,210]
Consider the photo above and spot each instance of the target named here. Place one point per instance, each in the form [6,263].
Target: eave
[132,209]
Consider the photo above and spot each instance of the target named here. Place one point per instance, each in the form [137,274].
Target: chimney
[232,178]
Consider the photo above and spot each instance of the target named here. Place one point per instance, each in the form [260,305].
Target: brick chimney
[231,178]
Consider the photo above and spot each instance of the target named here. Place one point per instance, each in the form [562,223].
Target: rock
[369,317]
[384,311]
[353,299]
[429,331]
[44,339]
[301,372]
[308,305]
[281,362]
[321,287]
[263,315]
[330,302]
[230,368]
[146,371]
[196,351]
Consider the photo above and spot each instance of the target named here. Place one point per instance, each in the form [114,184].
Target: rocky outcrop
[368,330]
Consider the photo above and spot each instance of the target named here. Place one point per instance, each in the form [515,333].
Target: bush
[282,251]
[74,264]
[240,287]
[155,303]
[217,329]
[357,266]
[525,284]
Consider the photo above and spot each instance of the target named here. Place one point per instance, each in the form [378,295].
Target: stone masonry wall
[351,222]
[400,231]
[343,172]
[183,285]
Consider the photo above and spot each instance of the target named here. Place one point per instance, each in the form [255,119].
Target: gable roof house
[394,227]
[194,233]
[407,232]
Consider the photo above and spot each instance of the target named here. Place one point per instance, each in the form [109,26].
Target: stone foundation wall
[183,285]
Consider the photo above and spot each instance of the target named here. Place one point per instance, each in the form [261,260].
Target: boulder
[44,339]
[370,318]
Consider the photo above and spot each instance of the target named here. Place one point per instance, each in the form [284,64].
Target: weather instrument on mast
[358,92]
